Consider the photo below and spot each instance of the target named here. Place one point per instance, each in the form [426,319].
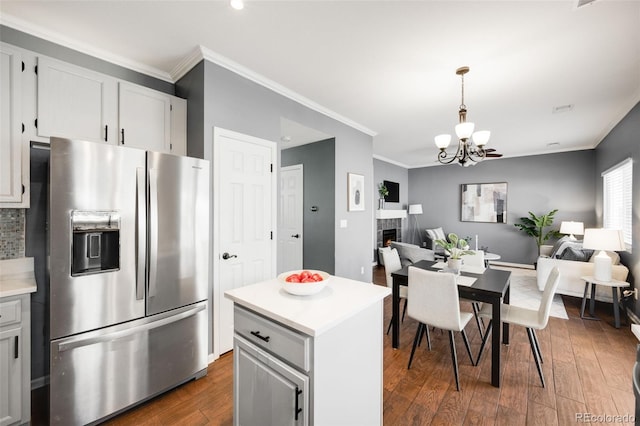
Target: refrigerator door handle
[141,232]
[153,231]
[110,337]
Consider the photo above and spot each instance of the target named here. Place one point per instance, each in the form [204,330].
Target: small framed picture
[355,192]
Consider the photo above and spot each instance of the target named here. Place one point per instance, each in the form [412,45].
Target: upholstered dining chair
[391,260]
[531,319]
[474,263]
[433,300]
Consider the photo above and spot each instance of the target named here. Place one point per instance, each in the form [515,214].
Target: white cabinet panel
[178,126]
[144,117]
[11,373]
[75,103]
[10,125]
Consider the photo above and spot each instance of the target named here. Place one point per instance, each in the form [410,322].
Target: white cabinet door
[144,117]
[178,126]
[75,103]
[266,390]
[10,125]
[11,373]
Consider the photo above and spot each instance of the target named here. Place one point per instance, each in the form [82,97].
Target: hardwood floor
[587,368]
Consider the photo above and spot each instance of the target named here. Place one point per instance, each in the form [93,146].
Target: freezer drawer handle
[260,336]
[74,344]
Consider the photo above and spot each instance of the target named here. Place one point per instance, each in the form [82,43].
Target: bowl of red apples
[304,282]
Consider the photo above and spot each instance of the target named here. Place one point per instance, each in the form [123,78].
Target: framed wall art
[484,202]
[355,192]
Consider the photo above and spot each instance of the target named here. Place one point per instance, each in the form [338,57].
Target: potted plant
[535,227]
[383,191]
[455,248]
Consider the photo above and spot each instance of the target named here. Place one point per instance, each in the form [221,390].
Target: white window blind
[617,198]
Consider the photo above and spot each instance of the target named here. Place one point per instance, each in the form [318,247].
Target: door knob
[226,255]
[296,235]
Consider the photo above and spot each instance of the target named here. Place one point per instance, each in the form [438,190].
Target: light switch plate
[343,223]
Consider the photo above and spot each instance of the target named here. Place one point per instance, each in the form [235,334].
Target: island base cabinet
[267,391]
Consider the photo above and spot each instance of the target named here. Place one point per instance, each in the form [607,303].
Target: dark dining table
[492,287]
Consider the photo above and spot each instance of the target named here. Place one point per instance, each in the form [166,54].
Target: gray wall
[233,102]
[539,184]
[319,188]
[621,143]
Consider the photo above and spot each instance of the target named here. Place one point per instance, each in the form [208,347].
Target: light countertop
[17,277]
[311,315]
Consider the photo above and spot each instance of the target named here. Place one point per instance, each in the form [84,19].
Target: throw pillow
[580,255]
[436,234]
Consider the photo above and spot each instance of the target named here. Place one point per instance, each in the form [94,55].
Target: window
[616,184]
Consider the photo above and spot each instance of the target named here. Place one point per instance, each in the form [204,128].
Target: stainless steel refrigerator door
[102,372]
[178,231]
[89,176]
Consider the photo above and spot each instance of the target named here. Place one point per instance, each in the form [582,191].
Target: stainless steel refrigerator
[129,268]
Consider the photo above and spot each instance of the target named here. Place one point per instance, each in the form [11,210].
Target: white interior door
[244,221]
[290,225]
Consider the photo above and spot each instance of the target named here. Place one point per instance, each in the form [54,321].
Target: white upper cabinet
[10,125]
[178,126]
[144,117]
[75,103]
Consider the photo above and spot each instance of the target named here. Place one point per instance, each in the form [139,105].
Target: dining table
[490,286]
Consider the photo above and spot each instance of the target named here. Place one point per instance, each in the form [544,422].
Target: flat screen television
[394,191]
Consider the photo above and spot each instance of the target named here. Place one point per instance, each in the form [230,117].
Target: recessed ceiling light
[237,4]
[285,138]
[553,144]
[562,108]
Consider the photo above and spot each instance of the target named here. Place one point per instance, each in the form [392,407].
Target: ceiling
[388,67]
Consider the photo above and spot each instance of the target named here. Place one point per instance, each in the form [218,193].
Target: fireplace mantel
[391,214]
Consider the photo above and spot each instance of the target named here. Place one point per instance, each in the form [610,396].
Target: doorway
[244,222]
[290,223]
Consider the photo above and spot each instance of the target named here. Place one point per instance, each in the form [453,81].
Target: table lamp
[602,239]
[571,228]
[415,209]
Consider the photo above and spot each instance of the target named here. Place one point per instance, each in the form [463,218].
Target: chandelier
[470,144]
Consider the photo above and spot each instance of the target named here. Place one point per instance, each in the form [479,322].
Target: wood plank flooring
[587,368]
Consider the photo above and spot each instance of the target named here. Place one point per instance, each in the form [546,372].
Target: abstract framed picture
[484,202]
[355,192]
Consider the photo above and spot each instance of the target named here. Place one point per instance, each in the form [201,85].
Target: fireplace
[388,235]
[387,230]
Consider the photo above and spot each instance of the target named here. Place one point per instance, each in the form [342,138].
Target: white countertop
[311,315]
[17,277]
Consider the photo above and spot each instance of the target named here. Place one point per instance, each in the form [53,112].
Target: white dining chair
[531,319]
[433,301]
[391,260]
[474,263]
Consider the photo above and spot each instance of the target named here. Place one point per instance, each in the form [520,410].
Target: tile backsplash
[12,236]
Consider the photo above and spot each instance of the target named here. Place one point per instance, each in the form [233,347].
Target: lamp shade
[443,141]
[603,239]
[415,209]
[464,130]
[481,137]
[569,227]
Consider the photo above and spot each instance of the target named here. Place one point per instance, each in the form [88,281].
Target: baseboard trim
[511,265]
[39,382]
[632,316]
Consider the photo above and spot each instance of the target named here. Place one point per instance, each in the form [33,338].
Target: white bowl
[303,289]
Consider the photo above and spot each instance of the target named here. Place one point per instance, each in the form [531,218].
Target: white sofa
[570,272]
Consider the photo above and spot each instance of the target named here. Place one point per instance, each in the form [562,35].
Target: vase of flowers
[383,191]
[455,248]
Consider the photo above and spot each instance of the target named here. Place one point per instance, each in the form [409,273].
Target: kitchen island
[308,359]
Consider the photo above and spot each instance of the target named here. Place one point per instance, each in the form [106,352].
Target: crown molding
[57,38]
[278,88]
